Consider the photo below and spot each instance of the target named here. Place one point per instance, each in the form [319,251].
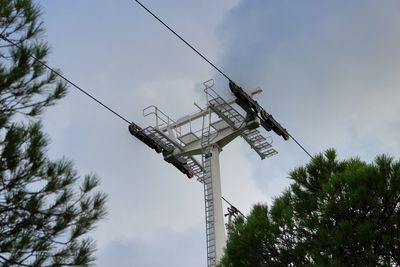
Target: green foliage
[336,213]
[25,86]
[46,210]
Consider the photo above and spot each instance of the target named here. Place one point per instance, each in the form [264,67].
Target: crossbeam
[191,117]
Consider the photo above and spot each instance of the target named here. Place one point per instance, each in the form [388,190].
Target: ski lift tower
[195,152]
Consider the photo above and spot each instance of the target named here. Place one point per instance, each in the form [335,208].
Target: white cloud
[167,248]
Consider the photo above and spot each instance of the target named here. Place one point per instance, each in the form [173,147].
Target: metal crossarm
[254,109]
[159,138]
[253,137]
[162,144]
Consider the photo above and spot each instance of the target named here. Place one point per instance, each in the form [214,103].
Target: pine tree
[335,213]
[46,209]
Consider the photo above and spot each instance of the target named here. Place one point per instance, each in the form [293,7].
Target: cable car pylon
[195,152]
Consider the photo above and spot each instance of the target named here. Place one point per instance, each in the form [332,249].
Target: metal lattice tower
[196,153]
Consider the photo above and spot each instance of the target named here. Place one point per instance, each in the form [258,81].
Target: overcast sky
[330,74]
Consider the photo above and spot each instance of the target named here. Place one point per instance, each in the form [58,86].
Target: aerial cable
[77,87]
[67,80]
[227,202]
[205,58]
[302,147]
[183,40]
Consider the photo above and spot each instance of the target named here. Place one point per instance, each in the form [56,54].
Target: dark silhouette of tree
[336,213]
[45,211]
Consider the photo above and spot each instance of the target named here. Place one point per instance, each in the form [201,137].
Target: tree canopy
[335,213]
[46,208]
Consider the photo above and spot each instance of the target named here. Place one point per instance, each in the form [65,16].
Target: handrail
[162,119]
[209,91]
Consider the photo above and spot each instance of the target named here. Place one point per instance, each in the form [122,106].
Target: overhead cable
[183,40]
[302,147]
[227,202]
[76,86]
[67,80]
[205,58]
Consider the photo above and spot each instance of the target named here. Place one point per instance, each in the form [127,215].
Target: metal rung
[263,146]
[258,138]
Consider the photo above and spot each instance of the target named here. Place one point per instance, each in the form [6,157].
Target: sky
[329,71]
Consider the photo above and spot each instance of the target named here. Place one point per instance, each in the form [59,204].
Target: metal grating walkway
[253,137]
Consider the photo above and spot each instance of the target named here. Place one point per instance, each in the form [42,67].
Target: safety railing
[161,119]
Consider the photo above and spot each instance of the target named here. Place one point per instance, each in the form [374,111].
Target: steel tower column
[219,225]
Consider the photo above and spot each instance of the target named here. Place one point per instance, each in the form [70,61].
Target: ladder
[206,179]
